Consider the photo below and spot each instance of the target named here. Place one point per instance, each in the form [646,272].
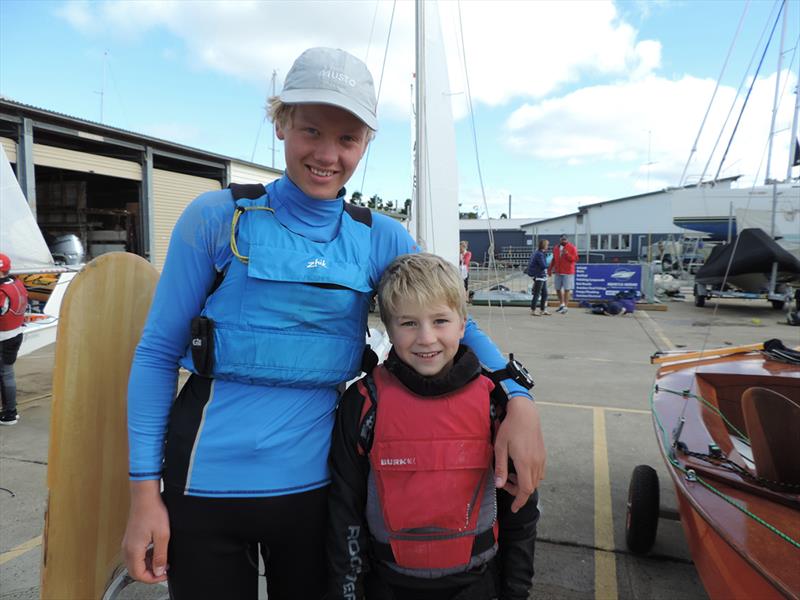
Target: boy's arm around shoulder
[520,435]
[347,536]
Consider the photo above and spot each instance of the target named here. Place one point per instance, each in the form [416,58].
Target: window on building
[624,241]
[595,243]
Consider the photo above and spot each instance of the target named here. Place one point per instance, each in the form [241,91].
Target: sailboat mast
[420,155]
[793,156]
[777,92]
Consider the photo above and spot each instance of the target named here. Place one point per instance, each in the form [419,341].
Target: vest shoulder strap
[366,429]
[246,190]
[359,213]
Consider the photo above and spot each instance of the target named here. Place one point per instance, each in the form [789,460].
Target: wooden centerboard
[101,321]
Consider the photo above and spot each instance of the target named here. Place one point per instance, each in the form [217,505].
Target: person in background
[264,298]
[537,268]
[565,255]
[389,488]
[464,258]
[13,302]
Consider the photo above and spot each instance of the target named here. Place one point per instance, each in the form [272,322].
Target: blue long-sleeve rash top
[253,440]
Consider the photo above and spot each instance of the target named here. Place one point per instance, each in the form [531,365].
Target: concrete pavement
[593,378]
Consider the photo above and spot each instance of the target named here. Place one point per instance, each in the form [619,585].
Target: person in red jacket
[565,255]
[413,510]
[13,302]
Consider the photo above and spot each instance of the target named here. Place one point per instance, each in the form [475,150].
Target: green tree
[356,198]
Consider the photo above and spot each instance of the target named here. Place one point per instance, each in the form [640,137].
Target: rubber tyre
[777,304]
[700,301]
[641,523]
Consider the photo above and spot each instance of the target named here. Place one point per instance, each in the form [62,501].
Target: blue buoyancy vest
[282,313]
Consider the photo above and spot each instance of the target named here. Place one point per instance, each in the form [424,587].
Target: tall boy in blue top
[242,450]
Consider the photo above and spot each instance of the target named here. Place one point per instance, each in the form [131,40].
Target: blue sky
[574,102]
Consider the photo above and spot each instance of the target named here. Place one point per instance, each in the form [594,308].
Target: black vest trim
[359,213]
[246,190]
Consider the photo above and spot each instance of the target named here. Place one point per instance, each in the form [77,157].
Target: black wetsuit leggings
[214,543]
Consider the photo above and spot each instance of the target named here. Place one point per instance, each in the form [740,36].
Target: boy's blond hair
[423,279]
[282,114]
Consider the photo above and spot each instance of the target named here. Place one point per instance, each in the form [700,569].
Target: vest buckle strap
[482,542]
[203,345]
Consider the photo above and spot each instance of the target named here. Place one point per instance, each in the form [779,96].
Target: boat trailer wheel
[643,510]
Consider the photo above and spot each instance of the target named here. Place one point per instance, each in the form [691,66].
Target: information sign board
[604,281]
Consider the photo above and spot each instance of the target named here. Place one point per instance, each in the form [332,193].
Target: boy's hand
[519,438]
[144,546]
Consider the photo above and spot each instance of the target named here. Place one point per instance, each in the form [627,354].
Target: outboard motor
[67,250]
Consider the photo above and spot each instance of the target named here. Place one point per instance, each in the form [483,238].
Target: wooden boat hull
[746,551]
[724,572]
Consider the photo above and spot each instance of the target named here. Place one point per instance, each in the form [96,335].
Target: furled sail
[434,213]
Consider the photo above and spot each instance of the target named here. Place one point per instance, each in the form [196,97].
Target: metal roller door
[246,173]
[84,162]
[10,146]
[172,192]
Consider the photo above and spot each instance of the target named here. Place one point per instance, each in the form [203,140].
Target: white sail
[20,238]
[434,212]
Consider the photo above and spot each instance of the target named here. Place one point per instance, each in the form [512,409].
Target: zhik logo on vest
[317,262]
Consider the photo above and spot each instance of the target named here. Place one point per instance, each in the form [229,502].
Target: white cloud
[523,205]
[652,123]
[79,15]
[513,48]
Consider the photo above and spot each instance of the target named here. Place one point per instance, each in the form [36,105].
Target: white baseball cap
[335,77]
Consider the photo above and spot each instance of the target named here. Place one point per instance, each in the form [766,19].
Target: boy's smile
[323,146]
[426,338]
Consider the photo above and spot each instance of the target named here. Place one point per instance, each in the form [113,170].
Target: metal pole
[775,103]
[509,206]
[420,178]
[730,222]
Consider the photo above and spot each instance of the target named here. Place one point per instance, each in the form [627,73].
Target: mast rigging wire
[738,92]
[716,88]
[749,91]
[380,86]
[463,52]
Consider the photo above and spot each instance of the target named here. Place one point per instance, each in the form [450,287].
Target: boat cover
[756,251]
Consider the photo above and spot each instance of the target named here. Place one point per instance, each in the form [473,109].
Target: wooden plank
[101,320]
[661,358]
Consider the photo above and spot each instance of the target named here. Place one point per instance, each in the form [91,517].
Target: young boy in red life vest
[413,510]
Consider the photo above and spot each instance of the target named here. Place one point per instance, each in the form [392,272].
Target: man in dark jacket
[537,268]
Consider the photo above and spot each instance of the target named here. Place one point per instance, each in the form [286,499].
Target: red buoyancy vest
[17,295]
[431,457]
